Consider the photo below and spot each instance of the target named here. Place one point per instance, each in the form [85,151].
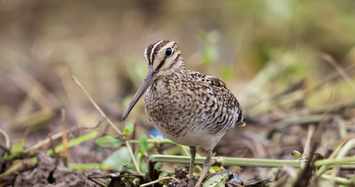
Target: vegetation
[291,65]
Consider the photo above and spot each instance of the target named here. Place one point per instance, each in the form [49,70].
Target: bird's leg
[206,166]
[192,161]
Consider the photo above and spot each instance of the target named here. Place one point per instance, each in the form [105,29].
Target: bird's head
[163,57]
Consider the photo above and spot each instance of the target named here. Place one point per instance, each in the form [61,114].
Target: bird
[187,107]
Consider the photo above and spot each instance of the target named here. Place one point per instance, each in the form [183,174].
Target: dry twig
[340,70]
[108,120]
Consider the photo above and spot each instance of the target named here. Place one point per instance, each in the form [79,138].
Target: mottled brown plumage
[187,107]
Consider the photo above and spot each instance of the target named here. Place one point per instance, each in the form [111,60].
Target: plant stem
[226,161]
[339,180]
[162,141]
[334,161]
[108,120]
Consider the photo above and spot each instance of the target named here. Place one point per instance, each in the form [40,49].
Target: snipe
[187,107]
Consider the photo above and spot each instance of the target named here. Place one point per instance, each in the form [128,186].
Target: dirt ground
[291,64]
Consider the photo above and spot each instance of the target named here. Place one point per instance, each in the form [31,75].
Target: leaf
[18,147]
[164,174]
[158,165]
[141,152]
[74,142]
[143,143]
[16,150]
[328,172]
[217,181]
[108,142]
[128,129]
[6,137]
[143,168]
[216,168]
[118,158]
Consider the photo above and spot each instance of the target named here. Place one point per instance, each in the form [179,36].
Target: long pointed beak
[148,79]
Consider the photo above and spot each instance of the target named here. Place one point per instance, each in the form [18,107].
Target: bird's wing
[222,94]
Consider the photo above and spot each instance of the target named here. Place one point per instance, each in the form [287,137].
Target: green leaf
[7,139]
[164,174]
[141,152]
[108,142]
[74,142]
[118,158]
[328,172]
[158,165]
[217,181]
[216,168]
[128,129]
[143,168]
[18,147]
[16,150]
[143,143]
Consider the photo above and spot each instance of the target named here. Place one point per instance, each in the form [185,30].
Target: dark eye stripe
[173,63]
[161,64]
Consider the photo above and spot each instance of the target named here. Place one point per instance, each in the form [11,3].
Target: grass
[289,63]
[336,160]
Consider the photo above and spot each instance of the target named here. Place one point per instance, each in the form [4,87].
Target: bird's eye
[168,51]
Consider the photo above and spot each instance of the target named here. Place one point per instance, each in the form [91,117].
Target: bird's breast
[181,109]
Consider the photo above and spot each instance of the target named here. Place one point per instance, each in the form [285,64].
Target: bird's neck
[175,69]
[179,68]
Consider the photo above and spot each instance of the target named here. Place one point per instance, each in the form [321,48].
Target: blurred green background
[102,43]
[261,49]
